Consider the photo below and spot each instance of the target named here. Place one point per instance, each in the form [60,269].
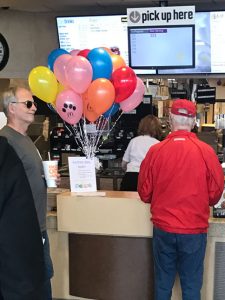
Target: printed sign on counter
[82,174]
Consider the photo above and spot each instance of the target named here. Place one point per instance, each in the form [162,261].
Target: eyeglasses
[28,103]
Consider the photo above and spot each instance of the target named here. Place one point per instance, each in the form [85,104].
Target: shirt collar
[181,133]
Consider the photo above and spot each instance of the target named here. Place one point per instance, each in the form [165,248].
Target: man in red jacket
[181,177]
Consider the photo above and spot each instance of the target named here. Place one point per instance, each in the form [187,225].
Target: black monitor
[161,47]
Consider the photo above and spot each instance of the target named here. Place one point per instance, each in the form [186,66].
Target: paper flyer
[82,174]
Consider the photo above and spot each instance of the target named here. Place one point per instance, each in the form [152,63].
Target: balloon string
[95,137]
[111,109]
[100,125]
[84,136]
[111,128]
[88,142]
[73,134]
[77,134]
[77,138]
[87,138]
[105,122]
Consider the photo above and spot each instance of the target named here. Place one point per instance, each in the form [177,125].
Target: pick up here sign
[160,16]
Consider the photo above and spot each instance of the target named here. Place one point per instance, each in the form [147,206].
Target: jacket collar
[181,133]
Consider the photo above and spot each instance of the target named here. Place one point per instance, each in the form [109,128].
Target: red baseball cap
[183,107]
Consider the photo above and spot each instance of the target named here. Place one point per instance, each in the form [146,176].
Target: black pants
[38,294]
[129,182]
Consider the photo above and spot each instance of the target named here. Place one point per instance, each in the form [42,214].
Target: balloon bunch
[90,85]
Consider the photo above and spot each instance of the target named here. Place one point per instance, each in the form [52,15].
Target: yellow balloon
[60,88]
[117,61]
[43,83]
[53,104]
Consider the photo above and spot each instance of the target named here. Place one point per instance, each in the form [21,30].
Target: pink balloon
[69,106]
[74,52]
[134,99]
[59,68]
[78,74]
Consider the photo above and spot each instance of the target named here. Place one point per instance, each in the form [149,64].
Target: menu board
[88,32]
[82,32]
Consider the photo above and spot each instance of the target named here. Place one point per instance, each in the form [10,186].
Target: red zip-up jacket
[181,177]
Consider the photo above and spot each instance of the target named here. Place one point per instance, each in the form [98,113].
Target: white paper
[82,174]
[3,119]
[222,199]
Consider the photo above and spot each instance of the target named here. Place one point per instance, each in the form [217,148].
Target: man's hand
[58,180]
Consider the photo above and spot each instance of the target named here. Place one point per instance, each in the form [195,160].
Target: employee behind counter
[149,133]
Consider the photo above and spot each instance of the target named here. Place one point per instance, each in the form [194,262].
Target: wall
[220,89]
[31,37]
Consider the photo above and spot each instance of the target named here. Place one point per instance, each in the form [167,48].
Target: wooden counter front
[110,245]
[110,248]
[117,213]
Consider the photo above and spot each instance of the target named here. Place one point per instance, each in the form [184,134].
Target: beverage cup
[50,171]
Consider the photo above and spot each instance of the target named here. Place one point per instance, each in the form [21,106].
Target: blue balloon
[112,110]
[101,63]
[53,55]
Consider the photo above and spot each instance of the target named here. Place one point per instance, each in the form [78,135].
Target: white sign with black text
[82,174]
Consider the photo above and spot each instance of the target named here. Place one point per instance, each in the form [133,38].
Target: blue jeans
[48,265]
[182,253]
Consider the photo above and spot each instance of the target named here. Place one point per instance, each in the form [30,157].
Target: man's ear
[171,122]
[193,124]
[11,108]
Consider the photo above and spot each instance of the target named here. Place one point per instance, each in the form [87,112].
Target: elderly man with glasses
[19,108]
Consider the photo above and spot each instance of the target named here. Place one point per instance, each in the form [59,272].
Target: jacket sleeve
[145,185]
[215,179]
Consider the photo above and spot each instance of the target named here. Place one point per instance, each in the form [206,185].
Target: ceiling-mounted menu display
[93,31]
[88,32]
[209,45]
[111,31]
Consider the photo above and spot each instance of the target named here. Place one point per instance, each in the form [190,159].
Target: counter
[102,249]
[116,213]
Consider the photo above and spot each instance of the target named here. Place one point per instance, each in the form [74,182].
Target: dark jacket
[21,248]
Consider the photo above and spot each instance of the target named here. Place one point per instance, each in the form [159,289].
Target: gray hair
[181,122]
[8,97]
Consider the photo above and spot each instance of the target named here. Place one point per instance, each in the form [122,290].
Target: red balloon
[124,80]
[84,52]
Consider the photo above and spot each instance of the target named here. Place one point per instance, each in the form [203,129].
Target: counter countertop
[116,213]
[104,215]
